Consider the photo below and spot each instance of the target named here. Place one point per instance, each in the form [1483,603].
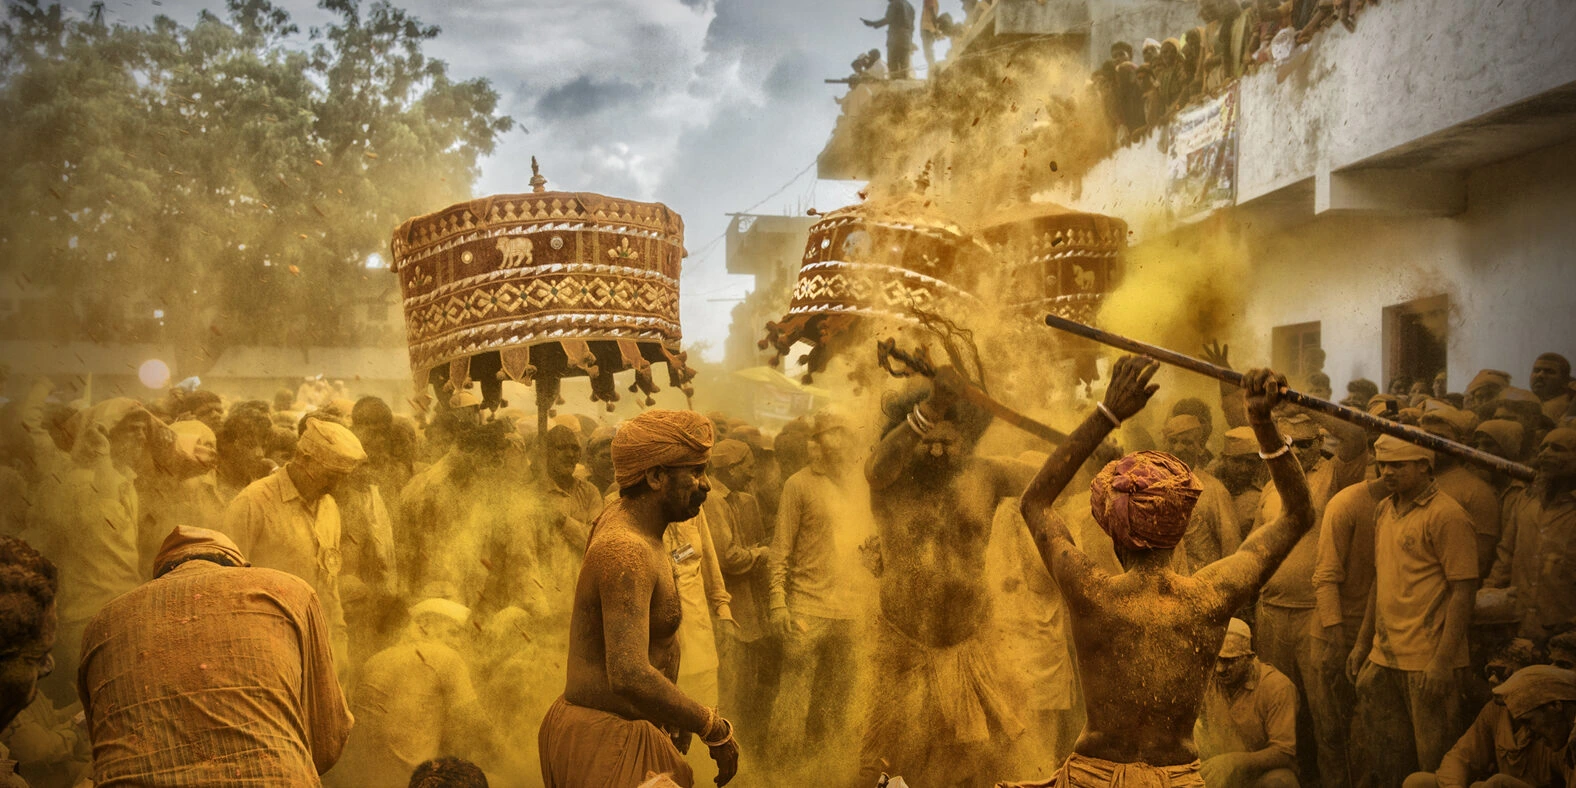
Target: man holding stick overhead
[1147,638]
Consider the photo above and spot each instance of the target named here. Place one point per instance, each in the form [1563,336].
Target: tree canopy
[234,175]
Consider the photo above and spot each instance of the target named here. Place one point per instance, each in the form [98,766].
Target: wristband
[924,421]
[1106,412]
[918,423]
[727,731]
[1285,447]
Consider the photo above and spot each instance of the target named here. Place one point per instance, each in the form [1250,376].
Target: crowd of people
[209,591]
[1144,90]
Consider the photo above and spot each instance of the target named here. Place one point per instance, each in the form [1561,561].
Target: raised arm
[1128,393]
[1242,573]
[891,456]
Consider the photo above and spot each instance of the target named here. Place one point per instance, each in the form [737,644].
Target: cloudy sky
[709,106]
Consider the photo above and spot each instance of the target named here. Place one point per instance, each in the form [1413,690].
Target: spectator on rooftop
[899,22]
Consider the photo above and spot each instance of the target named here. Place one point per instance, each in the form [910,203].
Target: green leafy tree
[235,174]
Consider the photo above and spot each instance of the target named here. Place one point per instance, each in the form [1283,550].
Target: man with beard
[1551,381]
[599,460]
[623,654]
[1412,648]
[1212,531]
[1146,638]
[1247,728]
[1537,549]
[934,668]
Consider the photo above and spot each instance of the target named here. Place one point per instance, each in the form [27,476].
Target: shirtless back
[1146,639]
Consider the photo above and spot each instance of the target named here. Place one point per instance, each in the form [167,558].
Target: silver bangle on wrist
[1285,447]
[918,423]
[1106,412]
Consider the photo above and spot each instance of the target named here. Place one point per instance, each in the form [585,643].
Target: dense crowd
[210,591]
[1237,37]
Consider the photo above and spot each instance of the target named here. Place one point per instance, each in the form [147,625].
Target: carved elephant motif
[516,251]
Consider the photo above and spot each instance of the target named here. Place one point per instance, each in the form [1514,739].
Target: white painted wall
[1508,264]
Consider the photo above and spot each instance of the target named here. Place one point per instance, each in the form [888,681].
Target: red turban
[1144,499]
[657,438]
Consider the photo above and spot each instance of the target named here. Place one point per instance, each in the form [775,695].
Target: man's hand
[1218,354]
[1263,387]
[945,391]
[728,628]
[1332,645]
[726,756]
[782,623]
[1221,769]
[1130,388]
[1438,678]
[1355,662]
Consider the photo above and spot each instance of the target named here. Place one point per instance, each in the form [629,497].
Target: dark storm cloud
[584,95]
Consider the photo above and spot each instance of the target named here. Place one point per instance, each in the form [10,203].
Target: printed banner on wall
[1203,165]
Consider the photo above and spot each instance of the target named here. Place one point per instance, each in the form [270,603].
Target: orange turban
[657,438]
[1144,499]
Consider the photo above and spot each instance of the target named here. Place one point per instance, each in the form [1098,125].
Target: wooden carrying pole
[1422,438]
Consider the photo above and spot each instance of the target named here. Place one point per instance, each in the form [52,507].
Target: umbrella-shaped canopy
[541,286]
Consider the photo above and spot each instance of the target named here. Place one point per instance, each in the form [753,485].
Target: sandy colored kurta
[1213,531]
[276,528]
[734,520]
[1419,550]
[1537,555]
[702,593]
[212,676]
[411,699]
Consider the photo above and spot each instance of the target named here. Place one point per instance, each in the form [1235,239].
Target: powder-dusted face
[22,669]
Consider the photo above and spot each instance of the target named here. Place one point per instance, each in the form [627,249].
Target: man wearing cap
[750,659]
[1485,387]
[1551,382]
[612,724]
[1501,438]
[1537,549]
[1247,727]
[288,520]
[1412,646]
[1467,488]
[818,590]
[1286,609]
[415,701]
[1543,698]
[1243,475]
[1146,638]
[211,674]
[1496,746]
[1213,530]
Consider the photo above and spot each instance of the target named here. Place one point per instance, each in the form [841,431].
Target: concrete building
[1403,193]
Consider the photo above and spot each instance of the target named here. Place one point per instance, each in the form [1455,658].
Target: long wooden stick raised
[1422,438]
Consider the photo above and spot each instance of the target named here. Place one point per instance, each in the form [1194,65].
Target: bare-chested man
[1146,639]
[941,710]
[620,697]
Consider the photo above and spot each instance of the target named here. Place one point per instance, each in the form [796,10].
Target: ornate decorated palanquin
[864,267]
[541,286]
[1058,260]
